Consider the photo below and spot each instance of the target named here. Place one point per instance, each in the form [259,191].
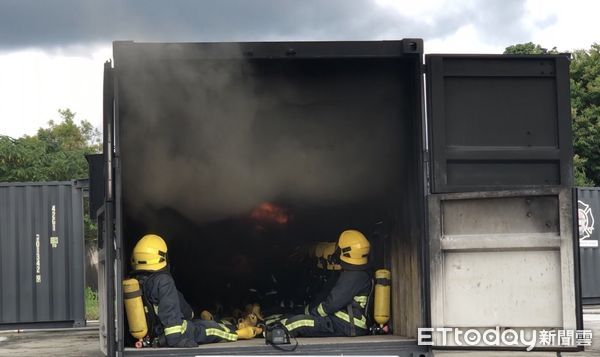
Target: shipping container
[41,255]
[458,168]
[588,207]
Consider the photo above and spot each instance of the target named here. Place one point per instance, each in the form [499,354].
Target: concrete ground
[591,321]
[77,342]
[84,342]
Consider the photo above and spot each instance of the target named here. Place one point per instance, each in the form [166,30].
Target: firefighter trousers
[312,326]
[210,332]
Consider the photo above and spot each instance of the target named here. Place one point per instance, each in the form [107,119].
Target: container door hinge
[427,170]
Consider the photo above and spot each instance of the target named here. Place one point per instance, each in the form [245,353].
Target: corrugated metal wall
[41,254]
[589,237]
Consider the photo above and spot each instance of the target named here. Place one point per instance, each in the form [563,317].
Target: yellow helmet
[328,252]
[150,253]
[354,247]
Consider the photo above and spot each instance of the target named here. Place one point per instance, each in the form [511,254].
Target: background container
[41,255]
[589,237]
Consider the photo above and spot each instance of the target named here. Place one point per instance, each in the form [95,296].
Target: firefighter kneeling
[342,312]
[168,317]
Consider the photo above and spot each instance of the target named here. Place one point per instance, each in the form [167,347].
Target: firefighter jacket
[168,303]
[350,293]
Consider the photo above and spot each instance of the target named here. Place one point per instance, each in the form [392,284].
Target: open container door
[501,240]
[107,248]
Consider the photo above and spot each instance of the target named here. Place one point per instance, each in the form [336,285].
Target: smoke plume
[216,138]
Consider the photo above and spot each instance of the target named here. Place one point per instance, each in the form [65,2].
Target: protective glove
[248,333]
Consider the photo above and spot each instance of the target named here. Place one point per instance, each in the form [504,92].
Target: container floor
[372,345]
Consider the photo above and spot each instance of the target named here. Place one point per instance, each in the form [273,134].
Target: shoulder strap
[152,320]
[351,317]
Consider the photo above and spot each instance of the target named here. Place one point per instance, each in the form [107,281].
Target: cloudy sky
[52,51]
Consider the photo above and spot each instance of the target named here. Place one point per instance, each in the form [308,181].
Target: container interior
[243,165]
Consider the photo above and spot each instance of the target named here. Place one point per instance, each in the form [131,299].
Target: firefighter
[342,311]
[175,326]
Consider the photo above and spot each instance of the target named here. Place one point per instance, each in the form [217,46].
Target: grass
[91,304]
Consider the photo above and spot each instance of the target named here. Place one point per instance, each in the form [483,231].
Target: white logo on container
[53,218]
[38,265]
[586,225]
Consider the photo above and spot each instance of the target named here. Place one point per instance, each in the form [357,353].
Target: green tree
[528,48]
[67,135]
[55,153]
[585,108]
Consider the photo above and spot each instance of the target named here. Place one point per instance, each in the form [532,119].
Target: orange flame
[269,212]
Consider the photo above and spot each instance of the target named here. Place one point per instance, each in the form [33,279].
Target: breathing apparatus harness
[155,337]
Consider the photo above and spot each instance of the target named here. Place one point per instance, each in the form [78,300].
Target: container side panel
[76,257]
[479,172]
[589,239]
[36,267]
[498,122]
[59,215]
[14,260]
[499,66]
[68,233]
[3,251]
[40,224]
[480,112]
[590,280]
[502,259]
[44,287]
[511,215]
[30,198]
[501,286]
[10,294]
[20,260]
